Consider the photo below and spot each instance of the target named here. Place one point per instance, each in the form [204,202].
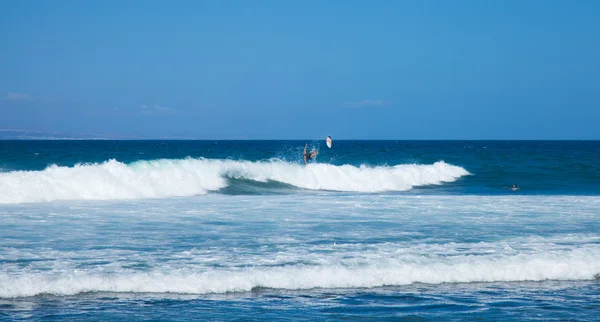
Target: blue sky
[302,69]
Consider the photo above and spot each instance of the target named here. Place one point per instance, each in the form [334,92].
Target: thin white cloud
[366,103]
[17,97]
[153,109]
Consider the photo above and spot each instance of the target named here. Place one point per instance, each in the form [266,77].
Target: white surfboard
[328,141]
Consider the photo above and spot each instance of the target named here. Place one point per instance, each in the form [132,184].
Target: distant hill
[15,134]
[11,134]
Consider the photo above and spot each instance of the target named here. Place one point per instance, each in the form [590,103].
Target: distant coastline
[18,134]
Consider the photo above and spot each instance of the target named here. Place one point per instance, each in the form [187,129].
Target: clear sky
[303,69]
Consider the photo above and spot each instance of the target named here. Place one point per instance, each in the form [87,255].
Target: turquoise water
[372,230]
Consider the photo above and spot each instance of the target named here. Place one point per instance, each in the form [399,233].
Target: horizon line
[300,139]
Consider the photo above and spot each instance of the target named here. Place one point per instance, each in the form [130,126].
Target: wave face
[114,180]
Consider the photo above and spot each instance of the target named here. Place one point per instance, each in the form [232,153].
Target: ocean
[243,230]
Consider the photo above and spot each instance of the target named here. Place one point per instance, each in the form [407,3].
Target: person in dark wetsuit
[309,156]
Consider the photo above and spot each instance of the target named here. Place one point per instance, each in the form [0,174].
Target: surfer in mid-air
[310,155]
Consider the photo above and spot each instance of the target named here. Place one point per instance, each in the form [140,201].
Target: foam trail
[580,264]
[113,180]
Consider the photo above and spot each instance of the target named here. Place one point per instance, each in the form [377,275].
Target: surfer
[514,187]
[309,156]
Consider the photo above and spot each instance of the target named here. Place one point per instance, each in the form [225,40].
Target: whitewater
[277,242]
[113,180]
[366,271]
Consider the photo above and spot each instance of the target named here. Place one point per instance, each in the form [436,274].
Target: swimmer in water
[514,187]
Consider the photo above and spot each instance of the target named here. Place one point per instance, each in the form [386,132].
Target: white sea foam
[220,243]
[578,264]
[114,180]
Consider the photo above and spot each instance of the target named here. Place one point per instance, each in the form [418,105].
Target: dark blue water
[476,302]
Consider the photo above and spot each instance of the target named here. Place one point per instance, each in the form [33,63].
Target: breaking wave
[114,180]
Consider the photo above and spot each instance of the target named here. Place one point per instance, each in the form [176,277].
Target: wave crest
[114,180]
